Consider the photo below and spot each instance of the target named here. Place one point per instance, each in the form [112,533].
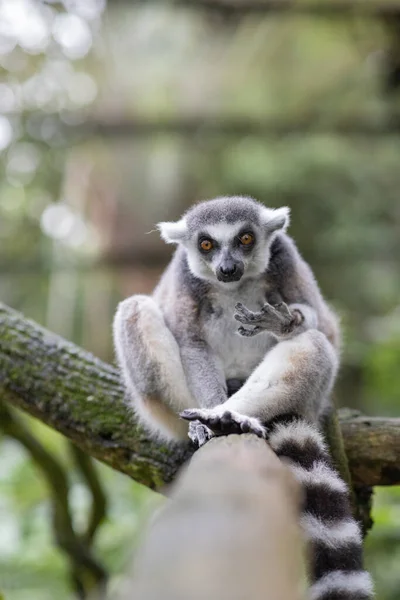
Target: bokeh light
[6,132]
[73,34]
[61,223]
[88,9]
[26,23]
[23,161]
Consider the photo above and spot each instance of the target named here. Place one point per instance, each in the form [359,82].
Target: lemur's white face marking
[227,239]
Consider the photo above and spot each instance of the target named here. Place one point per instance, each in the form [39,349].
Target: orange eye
[246,239]
[206,245]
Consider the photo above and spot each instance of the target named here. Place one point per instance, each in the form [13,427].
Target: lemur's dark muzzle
[230,270]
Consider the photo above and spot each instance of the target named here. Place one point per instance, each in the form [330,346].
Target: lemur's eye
[206,245]
[246,239]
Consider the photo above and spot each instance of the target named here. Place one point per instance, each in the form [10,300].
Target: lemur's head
[227,239]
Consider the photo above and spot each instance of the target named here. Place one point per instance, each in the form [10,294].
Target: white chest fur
[238,355]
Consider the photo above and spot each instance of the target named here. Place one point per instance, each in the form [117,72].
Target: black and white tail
[336,558]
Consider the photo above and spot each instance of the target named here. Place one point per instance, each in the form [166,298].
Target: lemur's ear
[276,219]
[173,232]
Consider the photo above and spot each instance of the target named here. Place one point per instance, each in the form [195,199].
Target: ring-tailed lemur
[181,351]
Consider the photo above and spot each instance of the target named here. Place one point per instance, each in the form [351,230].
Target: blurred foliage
[29,567]
[80,189]
[383,543]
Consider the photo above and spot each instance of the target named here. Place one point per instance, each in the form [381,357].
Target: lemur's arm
[205,380]
[204,376]
[295,306]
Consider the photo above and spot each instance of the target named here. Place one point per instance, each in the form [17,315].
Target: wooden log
[229,532]
[82,398]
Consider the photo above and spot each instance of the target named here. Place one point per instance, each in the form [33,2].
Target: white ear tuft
[276,219]
[173,232]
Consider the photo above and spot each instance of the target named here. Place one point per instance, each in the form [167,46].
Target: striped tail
[336,555]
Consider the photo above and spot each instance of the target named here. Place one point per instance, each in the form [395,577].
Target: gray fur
[223,210]
[253,351]
[199,311]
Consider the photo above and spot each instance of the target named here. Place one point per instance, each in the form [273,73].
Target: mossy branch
[81,397]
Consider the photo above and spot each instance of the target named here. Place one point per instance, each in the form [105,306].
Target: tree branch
[327,9]
[201,126]
[82,398]
[314,8]
[88,472]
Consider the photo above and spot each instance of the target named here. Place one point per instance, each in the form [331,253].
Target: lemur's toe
[199,434]
[258,429]
[245,426]
[190,414]
[283,309]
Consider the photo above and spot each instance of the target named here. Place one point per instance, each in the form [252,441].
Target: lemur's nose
[228,268]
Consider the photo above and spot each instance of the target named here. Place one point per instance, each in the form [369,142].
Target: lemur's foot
[224,422]
[277,319]
[199,434]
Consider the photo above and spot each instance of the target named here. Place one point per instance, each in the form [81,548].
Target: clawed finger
[244,315]
[249,332]
[190,414]
[204,416]
[199,434]
[270,310]
[283,309]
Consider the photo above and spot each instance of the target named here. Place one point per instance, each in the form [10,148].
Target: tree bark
[230,530]
[82,398]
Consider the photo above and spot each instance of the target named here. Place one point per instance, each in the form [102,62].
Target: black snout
[230,270]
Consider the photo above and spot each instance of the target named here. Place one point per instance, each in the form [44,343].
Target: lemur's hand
[277,319]
[224,422]
[199,434]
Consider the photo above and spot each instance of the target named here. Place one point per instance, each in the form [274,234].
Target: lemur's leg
[151,366]
[292,378]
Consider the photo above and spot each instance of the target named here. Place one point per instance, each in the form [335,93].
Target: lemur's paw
[199,434]
[277,319]
[248,317]
[224,422]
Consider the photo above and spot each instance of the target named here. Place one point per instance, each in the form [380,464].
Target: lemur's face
[227,239]
[226,252]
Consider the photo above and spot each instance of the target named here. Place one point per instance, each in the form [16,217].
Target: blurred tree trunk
[230,530]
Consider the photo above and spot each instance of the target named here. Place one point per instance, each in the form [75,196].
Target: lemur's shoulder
[293,278]
[182,296]
[287,268]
